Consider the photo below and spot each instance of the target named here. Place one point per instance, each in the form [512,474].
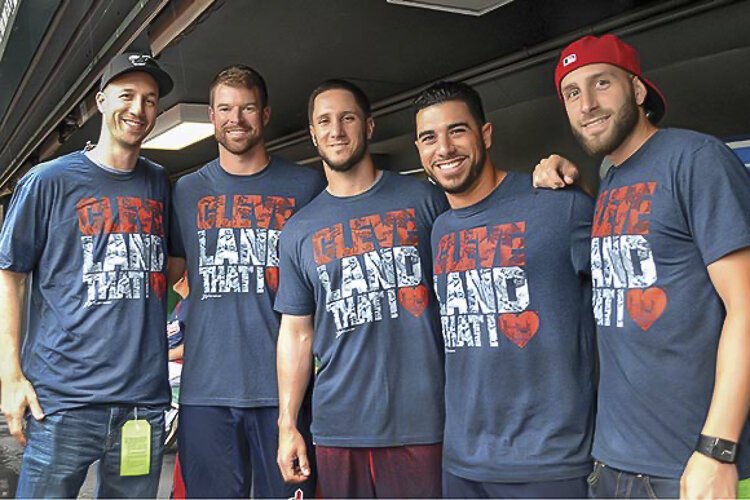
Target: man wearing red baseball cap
[670,259]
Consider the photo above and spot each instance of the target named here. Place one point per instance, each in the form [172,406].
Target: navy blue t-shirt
[680,203]
[227,227]
[360,265]
[94,242]
[511,274]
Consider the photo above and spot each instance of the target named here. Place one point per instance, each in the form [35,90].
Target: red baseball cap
[610,50]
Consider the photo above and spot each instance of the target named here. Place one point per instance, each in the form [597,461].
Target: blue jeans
[459,487]
[61,447]
[606,482]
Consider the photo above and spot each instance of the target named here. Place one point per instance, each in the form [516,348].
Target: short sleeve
[438,203]
[581,215]
[176,245]
[24,232]
[713,190]
[295,295]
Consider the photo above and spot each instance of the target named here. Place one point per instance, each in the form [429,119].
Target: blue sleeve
[581,215]
[24,232]
[436,202]
[713,190]
[295,295]
[176,245]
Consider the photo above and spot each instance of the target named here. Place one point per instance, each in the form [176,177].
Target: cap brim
[655,101]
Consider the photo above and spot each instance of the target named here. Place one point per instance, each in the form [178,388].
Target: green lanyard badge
[135,454]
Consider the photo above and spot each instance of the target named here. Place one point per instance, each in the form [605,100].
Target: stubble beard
[346,164]
[471,177]
[238,148]
[623,125]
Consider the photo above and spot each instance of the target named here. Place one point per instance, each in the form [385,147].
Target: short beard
[622,127]
[347,164]
[238,148]
[474,172]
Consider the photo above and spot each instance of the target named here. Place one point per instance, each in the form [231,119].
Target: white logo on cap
[139,59]
[569,60]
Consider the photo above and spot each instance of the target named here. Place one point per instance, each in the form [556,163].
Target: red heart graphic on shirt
[158,283]
[645,306]
[272,278]
[519,328]
[414,299]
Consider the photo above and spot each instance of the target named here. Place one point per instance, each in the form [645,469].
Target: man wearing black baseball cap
[670,257]
[90,382]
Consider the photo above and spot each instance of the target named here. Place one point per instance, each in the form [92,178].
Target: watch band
[723,450]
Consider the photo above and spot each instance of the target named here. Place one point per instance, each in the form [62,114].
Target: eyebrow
[134,91]
[450,126]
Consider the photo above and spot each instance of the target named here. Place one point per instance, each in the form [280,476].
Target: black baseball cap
[134,61]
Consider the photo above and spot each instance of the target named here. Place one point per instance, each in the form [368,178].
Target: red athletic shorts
[390,472]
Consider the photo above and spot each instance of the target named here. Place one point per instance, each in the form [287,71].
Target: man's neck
[113,155]
[358,179]
[642,132]
[487,181]
[248,163]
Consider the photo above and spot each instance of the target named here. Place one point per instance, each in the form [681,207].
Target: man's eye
[602,83]
[571,94]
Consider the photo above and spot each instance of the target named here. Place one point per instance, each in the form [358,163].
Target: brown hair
[239,75]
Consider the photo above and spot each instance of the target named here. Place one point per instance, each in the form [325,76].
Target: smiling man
[671,274]
[511,267]
[228,216]
[355,293]
[89,228]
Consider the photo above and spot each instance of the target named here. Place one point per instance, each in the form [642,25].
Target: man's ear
[640,91]
[100,98]
[370,127]
[312,136]
[487,135]
[266,115]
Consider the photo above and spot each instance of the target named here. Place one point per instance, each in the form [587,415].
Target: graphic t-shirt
[360,265]
[680,203]
[94,242]
[227,227]
[511,275]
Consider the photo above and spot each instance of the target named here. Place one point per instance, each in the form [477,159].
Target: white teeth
[449,165]
[596,122]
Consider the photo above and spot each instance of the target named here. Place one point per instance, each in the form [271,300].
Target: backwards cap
[610,50]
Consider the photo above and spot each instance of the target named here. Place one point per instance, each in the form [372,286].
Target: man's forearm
[294,366]
[12,292]
[731,397]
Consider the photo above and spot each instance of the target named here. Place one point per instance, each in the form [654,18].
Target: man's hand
[17,395]
[707,478]
[555,172]
[292,456]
